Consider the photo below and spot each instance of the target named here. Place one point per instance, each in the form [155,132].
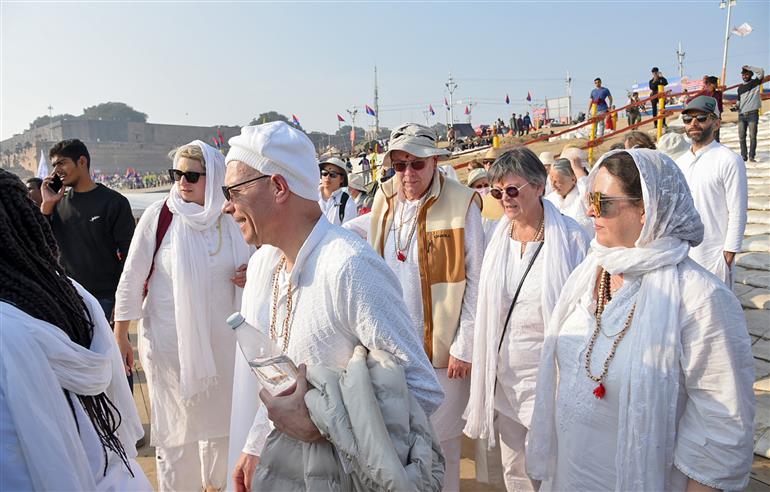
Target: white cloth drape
[651,382]
[190,273]
[565,246]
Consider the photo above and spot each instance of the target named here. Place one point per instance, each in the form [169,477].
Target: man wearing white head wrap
[664,339]
[311,283]
[187,349]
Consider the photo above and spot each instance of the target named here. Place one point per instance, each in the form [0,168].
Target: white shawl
[190,273]
[650,385]
[37,360]
[564,248]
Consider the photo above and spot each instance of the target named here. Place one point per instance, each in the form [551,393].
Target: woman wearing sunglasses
[645,379]
[335,200]
[531,253]
[182,286]
[568,182]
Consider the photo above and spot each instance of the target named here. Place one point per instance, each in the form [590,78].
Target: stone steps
[753,260]
[758,217]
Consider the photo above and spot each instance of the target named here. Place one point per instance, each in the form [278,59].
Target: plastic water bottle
[274,369]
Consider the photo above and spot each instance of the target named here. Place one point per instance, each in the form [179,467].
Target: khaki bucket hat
[415,139]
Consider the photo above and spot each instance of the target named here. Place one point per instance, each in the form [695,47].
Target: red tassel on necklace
[400,256]
[599,391]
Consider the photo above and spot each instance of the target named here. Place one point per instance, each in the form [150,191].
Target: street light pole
[451,86]
[728,4]
[50,123]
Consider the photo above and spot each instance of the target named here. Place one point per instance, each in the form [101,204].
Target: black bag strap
[343,201]
[516,294]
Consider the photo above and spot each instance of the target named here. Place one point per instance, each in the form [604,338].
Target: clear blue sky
[207,63]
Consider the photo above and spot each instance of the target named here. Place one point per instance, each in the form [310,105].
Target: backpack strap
[343,201]
[164,221]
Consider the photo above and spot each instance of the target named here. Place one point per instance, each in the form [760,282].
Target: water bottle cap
[235,320]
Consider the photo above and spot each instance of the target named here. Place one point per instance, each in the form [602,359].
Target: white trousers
[193,466]
[512,437]
[452,449]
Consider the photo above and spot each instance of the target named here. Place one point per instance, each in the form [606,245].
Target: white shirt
[331,207]
[343,295]
[717,179]
[573,205]
[716,375]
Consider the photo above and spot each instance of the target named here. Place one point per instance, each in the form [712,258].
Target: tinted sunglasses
[227,189]
[480,186]
[702,118]
[331,174]
[400,167]
[190,176]
[601,204]
[511,191]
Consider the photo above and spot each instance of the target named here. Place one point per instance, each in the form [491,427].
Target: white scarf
[647,413]
[41,415]
[190,273]
[561,256]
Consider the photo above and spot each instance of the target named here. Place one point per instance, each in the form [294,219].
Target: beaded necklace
[274,318]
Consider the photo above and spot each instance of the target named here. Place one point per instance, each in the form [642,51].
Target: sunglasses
[602,204]
[227,189]
[331,174]
[190,176]
[511,191]
[702,118]
[480,186]
[400,167]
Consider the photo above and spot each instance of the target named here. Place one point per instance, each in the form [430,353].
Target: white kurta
[343,295]
[331,207]
[447,421]
[716,375]
[573,205]
[206,416]
[717,179]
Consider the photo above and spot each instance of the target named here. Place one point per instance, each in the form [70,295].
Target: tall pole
[50,123]
[376,107]
[569,98]
[727,37]
[451,86]
[680,60]
[426,114]
[352,112]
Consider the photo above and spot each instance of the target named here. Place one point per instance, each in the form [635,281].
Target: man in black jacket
[657,80]
[749,104]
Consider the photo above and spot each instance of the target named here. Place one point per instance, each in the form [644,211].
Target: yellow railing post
[593,134]
[661,102]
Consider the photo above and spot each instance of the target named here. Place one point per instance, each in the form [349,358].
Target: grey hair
[563,167]
[519,161]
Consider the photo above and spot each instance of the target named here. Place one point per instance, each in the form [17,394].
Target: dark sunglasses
[400,167]
[600,204]
[190,176]
[227,189]
[331,174]
[480,186]
[511,191]
[702,118]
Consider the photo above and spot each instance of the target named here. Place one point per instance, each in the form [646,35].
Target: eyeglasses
[227,189]
[331,174]
[600,204]
[190,176]
[479,186]
[400,167]
[511,191]
[702,118]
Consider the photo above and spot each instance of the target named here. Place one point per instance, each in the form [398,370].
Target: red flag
[352,136]
[467,110]
[295,120]
[340,118]
[529,96]
[430,108]
[507,99]
[221,138]
[369,110]
[216,142]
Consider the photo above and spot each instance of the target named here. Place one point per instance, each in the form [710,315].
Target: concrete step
[753,278]
[752,173]
[757,243]
[753,261]
[758,322]
[758,217]
[759,202]
[752,297]
[756,229]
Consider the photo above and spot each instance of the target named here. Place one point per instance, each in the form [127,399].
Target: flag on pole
[340,118]
[216,142]
[221,138]
[446,103]
[430,108]
[507,99]
[352,137]
[369,110]
[295,120]
[742,30]
[467,110]
[43,169]
[529,96]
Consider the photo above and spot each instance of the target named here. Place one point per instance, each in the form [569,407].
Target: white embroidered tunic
[573,205]
[331,207]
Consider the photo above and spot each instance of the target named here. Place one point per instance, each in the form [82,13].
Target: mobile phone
[55,184]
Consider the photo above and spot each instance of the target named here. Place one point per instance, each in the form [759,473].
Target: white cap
[277,148]
[356,181]
[334,161]
[546,158]
[673,145]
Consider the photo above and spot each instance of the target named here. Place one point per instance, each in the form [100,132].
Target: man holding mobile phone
[92,224]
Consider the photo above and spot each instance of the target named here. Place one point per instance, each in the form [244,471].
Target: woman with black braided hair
[67,418]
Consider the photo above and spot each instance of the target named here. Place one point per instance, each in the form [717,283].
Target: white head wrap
[651,379]
[190,272]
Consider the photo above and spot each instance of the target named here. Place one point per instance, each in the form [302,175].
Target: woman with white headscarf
[645,379]
[182,286]
[568,181]
[531,253]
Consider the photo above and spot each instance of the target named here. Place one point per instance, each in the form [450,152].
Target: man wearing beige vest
[429,231]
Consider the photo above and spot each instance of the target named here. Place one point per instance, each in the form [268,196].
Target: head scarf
[651,380]
[190,272]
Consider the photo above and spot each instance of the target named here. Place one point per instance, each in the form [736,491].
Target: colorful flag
[507,99]
[446,103]
[369,110]
[352,136]
[340,118]
[216,142]
[742,30]
[221,138]
[467,110]
[295,120]
[430,108]
[529,96]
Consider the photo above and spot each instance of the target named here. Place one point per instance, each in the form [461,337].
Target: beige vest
[441,255]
